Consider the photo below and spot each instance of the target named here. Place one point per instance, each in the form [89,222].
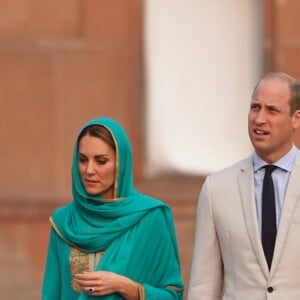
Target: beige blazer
[228,260]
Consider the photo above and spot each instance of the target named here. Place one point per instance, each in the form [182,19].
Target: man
[238,254]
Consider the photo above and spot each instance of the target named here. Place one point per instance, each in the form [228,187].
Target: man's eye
[273,109]
[255,107]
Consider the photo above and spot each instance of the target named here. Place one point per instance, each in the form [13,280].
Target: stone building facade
[61,63]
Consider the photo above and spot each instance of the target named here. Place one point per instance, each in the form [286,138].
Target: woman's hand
[103,283]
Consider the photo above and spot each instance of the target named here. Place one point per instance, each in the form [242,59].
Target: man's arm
[206,280]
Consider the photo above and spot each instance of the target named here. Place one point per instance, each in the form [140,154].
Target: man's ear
[296,119]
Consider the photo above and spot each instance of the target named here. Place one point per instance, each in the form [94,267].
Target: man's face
[270,124]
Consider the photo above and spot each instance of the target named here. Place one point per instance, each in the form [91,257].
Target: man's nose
[260,117]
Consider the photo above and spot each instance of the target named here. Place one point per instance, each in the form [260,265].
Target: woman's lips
[90,182]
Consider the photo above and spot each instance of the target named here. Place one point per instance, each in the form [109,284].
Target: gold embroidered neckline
[81,262]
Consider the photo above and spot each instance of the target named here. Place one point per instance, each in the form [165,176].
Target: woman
[110,242]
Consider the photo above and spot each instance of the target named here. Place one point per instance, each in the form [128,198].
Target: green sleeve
[164,260]
[154,293]
[51,288]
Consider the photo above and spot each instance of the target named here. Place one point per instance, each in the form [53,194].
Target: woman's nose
[90,168]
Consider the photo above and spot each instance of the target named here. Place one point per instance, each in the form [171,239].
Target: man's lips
[260,132]
[260,135]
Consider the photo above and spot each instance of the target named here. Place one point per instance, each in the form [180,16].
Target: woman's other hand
[102,283]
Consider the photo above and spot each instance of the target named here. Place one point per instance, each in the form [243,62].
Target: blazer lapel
[291,199]
[246,187]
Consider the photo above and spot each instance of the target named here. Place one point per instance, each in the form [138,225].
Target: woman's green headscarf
[135,230]
[124,180]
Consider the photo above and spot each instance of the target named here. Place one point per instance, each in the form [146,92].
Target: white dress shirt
[280,178]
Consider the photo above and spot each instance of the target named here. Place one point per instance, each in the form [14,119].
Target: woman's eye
[82,159]
[102,161]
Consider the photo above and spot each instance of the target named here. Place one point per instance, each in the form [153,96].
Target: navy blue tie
[269,228]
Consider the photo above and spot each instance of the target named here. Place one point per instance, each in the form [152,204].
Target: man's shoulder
[227,180]
[235,168]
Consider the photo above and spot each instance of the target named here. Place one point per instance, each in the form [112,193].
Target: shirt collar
[286,162]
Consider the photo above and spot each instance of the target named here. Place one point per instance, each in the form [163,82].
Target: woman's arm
[102,283]
[152,268]
[51,288]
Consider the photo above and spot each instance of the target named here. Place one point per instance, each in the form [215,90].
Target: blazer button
[270,289]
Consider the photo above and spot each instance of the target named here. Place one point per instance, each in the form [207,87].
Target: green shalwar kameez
[133,234]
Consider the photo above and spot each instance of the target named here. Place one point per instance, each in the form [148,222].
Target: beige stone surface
[287,22]
[48,90]
[22,255]
[108,21]
[35,18]
[27,129]
[286,59]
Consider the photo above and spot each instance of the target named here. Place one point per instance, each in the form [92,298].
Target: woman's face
[97,166]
